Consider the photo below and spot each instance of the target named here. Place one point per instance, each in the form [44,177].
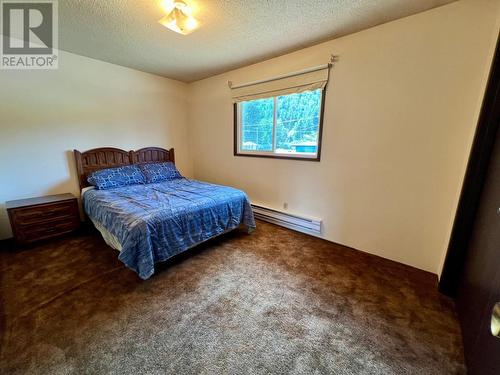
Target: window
[281,116]
[283,126]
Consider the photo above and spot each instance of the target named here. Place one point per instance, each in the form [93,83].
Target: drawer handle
[495,320]
[55,212]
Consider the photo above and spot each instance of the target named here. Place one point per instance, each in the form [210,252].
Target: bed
[150,223]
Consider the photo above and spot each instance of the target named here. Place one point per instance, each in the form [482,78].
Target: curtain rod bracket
[230,84]
[334,59]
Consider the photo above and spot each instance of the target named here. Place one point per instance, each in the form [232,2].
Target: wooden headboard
[110,157]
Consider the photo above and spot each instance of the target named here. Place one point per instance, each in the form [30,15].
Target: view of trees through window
[296,124]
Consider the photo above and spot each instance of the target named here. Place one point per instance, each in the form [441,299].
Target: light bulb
[179,19]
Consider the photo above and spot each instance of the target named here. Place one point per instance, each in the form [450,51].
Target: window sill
[280,156]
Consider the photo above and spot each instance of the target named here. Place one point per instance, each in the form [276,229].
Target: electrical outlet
[285,206]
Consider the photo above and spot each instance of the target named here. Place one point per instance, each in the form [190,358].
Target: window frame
[272,154]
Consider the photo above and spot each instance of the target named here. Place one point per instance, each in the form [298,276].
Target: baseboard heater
[284,219]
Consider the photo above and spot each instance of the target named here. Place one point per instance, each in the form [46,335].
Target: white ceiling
[232,33]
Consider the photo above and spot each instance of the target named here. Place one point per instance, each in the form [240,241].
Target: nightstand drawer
[35,232]
[42,213]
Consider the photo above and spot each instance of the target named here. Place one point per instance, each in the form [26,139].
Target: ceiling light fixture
[179,18]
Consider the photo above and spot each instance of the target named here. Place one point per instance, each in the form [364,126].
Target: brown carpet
[272,302]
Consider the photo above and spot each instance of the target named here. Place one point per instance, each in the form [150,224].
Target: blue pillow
[157,172]
[116,177]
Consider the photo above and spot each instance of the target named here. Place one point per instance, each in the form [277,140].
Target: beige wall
[84,104]
[401,109]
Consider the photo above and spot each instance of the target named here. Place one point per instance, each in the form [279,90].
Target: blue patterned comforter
[154,222]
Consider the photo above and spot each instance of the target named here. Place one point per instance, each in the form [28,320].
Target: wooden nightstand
[36,219]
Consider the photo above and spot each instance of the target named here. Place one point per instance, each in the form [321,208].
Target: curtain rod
[293,74]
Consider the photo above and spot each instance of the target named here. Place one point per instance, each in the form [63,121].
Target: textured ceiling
[232,33]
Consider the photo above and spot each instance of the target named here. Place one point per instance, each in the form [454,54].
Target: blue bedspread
[154,222]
